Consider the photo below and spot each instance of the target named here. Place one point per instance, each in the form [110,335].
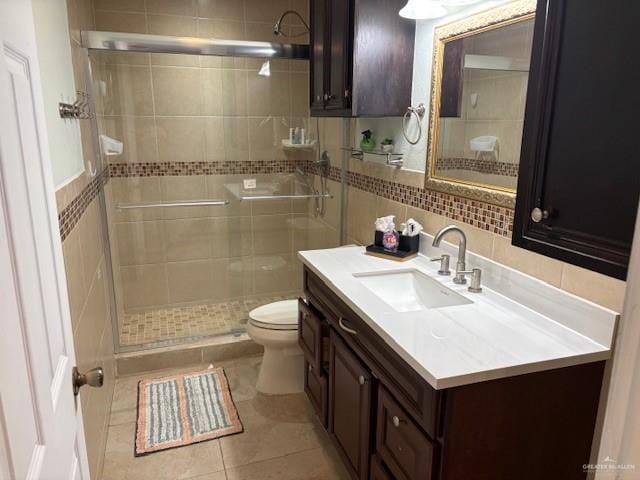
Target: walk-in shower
[205,208]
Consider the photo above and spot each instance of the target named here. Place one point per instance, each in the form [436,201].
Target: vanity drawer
[378,470]
[310,334]
[400,444]
[416,396]
[315,386]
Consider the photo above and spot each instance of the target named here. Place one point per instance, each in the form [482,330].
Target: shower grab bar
[284,197]
[194,203]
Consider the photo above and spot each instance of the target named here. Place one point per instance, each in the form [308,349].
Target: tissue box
[407,247]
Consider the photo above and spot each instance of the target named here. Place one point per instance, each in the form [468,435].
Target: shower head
[277,28]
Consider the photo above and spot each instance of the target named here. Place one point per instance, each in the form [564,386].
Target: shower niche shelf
[287,145]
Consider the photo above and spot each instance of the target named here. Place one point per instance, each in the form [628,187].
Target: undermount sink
[410,290]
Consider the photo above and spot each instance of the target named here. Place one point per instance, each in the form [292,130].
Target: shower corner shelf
[392,159]
[298,146]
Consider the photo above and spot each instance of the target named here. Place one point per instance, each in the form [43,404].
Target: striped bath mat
[184,409]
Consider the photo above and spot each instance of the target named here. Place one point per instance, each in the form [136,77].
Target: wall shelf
[392,159]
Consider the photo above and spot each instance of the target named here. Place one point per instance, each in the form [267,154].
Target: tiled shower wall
[88,280]
[195,128]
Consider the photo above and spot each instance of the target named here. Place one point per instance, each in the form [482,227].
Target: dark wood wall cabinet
[388,423]
[361,58]
[579,171]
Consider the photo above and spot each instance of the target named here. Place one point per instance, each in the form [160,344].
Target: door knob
[94,378]
[537,215]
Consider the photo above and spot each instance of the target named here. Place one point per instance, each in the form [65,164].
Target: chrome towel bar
[284,197]
[194,203]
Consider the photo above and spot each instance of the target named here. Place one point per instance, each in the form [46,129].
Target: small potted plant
[387,145]
[368,143]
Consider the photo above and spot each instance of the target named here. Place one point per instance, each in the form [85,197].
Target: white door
[41,434]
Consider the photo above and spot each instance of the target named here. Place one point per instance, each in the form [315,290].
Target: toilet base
[281,372]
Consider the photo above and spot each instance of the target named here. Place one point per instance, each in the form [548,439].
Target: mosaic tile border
[492,167]
[69,217]
[488,217]
[492,218]
[163,169]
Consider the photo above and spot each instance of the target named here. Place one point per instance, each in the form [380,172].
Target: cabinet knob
[537,215]
[362,380]
[328,96]
[396,421]
[310,368]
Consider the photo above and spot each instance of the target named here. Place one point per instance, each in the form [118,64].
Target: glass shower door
[192,254]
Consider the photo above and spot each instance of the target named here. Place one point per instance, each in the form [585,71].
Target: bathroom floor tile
[274,426]
[178,463]
[316,464]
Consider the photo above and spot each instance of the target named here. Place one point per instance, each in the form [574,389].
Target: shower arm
[276,28]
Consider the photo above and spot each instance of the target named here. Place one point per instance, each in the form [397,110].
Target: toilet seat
[282,315]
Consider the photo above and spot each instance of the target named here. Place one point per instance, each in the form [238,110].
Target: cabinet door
[579,168]
[350,393]
[319,54]
[340,55]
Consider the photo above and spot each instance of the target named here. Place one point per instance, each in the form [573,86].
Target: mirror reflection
[483,87]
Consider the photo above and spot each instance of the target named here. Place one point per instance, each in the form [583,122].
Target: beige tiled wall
[88,280]
[179,108]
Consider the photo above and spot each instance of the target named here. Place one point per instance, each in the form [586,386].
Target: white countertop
[516,325]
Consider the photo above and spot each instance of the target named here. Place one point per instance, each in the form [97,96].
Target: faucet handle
[444,264]
[476,279]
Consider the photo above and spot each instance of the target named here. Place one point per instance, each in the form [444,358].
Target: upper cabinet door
[338,94]
[319,17]
[579,178]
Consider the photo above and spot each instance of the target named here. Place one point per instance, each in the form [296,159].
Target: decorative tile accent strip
[478,165]
[72,213]
[164,169]
[492,218]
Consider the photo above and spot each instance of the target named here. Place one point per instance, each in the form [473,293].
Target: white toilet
[275,327]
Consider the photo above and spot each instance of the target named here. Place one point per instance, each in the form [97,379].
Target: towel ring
[419,112]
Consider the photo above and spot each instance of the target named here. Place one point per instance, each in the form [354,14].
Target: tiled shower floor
[191,321]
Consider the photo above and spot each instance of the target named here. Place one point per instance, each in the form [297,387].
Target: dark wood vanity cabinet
[388,423]
[356,70]
[579,180]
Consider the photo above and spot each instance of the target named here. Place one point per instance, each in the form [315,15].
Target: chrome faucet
[462,251]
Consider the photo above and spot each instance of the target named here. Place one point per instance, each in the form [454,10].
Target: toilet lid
[281,315]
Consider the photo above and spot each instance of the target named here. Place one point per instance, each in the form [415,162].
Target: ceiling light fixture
[422,9]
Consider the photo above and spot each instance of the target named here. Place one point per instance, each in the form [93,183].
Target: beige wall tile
[119,5]
[261,11]
[229,9]
[430,221]
[265,137]
[94,317]
[134,190]
[221,28]
[188,239]
[478,241]
[182,189]
[273,273]
[92,239]
[121,22]
[171,25]
[538,266]
[140,243]
[216,188]
[174,60]
[172,7]
[230,237]
[181,139]
[77,286]
[177,91]
[361,216]
[138,135]
[144,286]
[190,281]
[299,94]
[236,139]
[214,139]
[234,92]
[269,95]
[384,207]
[272,234]
[128,90]
[598,288]
[213,93]
[231,278]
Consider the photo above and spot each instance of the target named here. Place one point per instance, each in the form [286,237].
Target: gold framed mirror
[478,94]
